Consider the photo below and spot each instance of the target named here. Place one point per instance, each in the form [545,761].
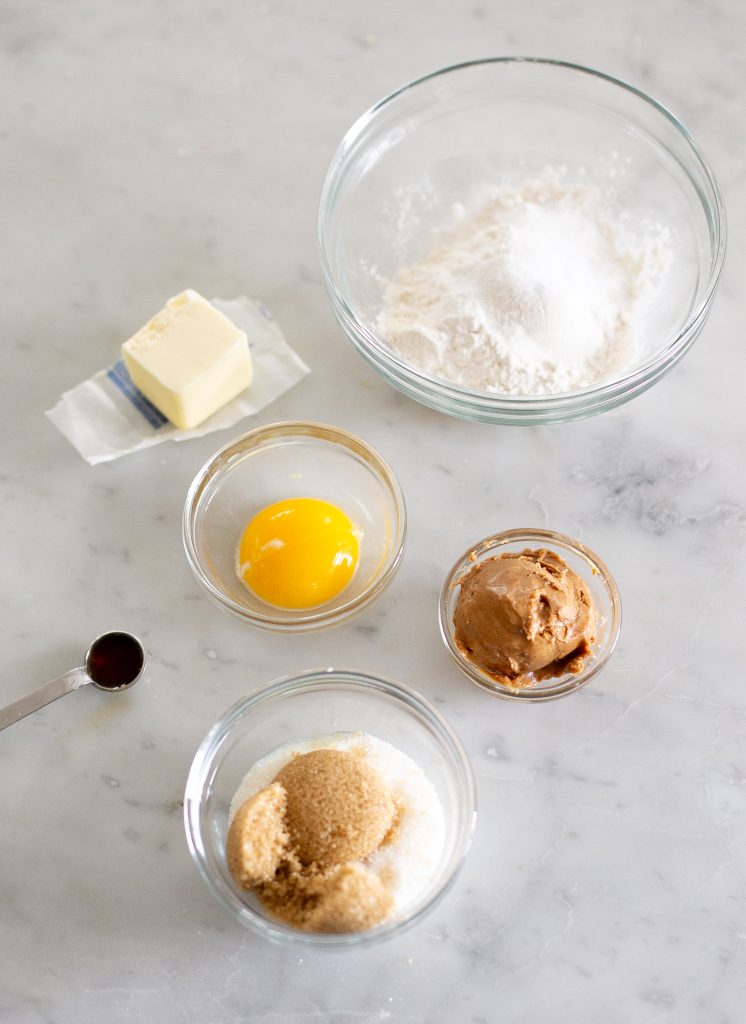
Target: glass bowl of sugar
[394,729]
[520,241]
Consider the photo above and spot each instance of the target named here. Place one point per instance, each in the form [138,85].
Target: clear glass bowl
[440,141]
[285,460]
[582,561]
[317,703]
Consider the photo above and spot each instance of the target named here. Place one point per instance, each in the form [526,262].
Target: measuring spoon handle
[71,680]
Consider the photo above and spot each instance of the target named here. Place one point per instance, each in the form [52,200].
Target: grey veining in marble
[148,146]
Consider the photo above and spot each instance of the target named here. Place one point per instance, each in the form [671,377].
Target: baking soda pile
[538,293]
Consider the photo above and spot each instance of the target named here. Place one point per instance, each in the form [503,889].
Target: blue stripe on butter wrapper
[118,374]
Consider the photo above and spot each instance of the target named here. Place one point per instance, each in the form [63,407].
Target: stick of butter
[189,360]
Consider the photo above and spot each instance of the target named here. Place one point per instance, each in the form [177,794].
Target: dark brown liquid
[115,660]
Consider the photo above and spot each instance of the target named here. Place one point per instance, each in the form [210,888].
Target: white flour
[538,293]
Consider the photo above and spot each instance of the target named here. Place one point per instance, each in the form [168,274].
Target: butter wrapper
[106,417]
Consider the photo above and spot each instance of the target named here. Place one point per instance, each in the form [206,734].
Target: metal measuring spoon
[114,662]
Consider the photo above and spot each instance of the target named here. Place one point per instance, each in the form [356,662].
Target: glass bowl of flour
[520,240]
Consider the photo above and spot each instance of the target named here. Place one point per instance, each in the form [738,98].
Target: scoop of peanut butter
[524,616]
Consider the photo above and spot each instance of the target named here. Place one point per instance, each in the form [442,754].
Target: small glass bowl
[442,142]
[317,703]
[286,460]
[582,561]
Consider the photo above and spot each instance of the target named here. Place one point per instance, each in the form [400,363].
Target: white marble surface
[149,146]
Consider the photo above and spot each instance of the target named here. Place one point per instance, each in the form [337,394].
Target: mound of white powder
[538,293]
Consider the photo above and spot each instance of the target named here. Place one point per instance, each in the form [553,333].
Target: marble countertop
[148,146]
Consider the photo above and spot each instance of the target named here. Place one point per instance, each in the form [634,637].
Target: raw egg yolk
[298,553]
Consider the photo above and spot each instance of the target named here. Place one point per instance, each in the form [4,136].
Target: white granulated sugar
[407,864]
[539,292]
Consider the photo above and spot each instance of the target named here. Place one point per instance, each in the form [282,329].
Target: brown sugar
[347,898]
[258,837]
[298,843]
[394,830]
[338,807]
[353,899]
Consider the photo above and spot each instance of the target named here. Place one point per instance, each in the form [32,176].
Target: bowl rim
[320,617]
[551,689]
[320,680]
[522,406]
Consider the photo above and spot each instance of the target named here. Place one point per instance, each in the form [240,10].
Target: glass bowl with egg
[414,751]
[502,619]
[431,157]
[295,526]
